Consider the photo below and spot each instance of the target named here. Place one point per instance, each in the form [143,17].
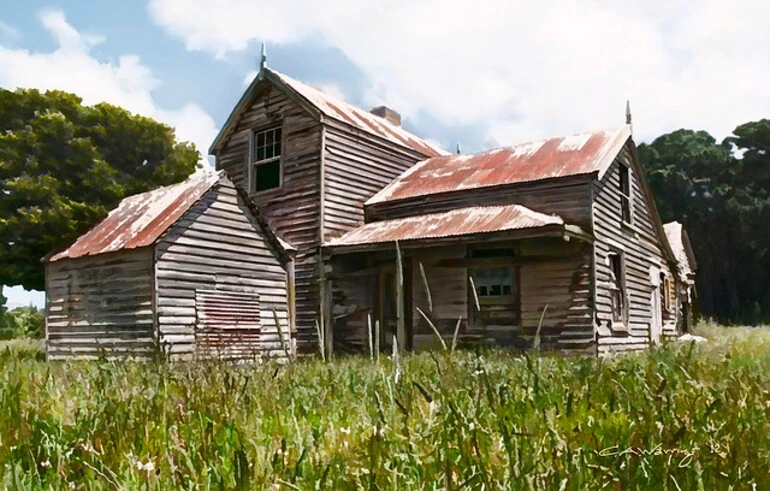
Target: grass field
[683,416]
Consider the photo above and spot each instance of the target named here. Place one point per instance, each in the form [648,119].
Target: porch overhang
[462,225]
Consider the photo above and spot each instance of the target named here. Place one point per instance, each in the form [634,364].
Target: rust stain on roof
[458,222]
[139,220]
[555,157]
[357,117]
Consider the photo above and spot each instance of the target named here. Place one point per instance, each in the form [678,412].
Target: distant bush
[22,322]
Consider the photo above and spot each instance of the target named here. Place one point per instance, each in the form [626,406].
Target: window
[266,159]
[494,282]
[668,291]
[625,193]
[497,293]
[618,288]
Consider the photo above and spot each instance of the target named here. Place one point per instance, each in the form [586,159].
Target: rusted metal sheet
[458,222]
[551,158]
[140,219]
[357,117]
[227,310]
[228,324]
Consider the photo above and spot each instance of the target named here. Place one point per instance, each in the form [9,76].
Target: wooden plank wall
[357,165]
[292,210]
[640,244]
[552,272]
[570,198]
[100,306]
[218,246]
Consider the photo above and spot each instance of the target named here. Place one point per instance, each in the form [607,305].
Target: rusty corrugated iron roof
[457,222]
[331,107]
[555,157]
[139,220]
[361,119]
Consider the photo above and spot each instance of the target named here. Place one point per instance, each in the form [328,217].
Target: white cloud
[126,82]
[525,69]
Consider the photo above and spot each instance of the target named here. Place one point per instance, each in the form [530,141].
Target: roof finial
[263,59]
[628,112]
[458,148]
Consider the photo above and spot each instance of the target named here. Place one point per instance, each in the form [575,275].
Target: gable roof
[325,106]
[141,219]
[453,223]
[551,158]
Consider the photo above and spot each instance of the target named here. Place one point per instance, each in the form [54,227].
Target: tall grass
[677,417]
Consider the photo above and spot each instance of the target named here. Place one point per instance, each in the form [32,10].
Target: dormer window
[625,193]
[265,169]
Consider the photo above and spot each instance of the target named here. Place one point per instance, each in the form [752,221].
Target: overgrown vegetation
[22,322]
[679,417]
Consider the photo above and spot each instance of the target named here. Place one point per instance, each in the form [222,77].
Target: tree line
[63,165]
[720,192]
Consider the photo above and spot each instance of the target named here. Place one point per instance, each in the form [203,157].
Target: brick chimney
[388,114]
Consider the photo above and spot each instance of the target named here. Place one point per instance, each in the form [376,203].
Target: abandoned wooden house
[186,269]
[560,235]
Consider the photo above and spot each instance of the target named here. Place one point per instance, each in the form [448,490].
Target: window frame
[493,261]
[254,163]
[619,287]
[625,195]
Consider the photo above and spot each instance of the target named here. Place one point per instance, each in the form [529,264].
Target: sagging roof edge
[550,230]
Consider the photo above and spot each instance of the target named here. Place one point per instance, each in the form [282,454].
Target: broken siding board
[292,210]
[100,306]
[640,253]
[249,270]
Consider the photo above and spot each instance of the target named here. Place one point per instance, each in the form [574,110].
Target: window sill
[627,226]
[619,327]
[264,192]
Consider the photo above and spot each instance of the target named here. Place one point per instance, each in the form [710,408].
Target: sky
[481,74]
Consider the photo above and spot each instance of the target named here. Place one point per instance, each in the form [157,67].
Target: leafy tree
[63,165]
[719,191]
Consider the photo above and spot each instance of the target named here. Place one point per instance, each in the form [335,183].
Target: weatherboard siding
[217,251]
[100,306]
[641,248]
[292,210]
[568,198]
[552,272]
[357,165]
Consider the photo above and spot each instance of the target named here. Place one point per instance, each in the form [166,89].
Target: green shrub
[22,322]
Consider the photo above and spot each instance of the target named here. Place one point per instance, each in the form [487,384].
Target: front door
[387,306]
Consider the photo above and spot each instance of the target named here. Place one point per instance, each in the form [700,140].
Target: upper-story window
[625,193]
[618,288]
[265,168]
